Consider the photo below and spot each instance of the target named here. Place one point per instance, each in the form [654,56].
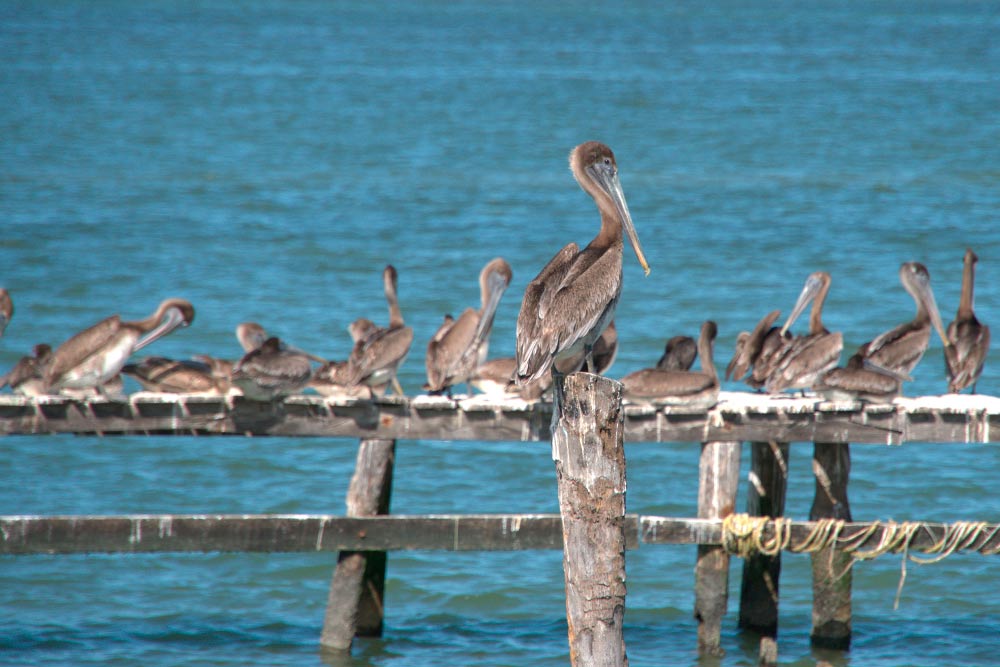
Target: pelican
[170,376]
[970,340]
[493,378]
[460,346]
[679,354]
[375,360]
[27,375]
[95,355]
[331,379]
[696,389]
[900,349]
[250,336]
[571,301]
[749,347]
[807,358]
[6,309]
[271,371]
[859,381]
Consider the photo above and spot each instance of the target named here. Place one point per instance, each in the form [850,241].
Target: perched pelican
[6,309]
[95,356]
[697,389]
[859,381]
[572,300]
[970,340]
[331,379]
[27,375]
[460,346]
[375,360]
[250,336]
[807,358]
[749,348]
[169,376]
[271,371]
[679,354]
[900,349]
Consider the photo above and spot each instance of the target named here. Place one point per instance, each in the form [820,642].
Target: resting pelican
[970,340]
[679,354]
[493,378]
[27,375]
[688,388]
[96,355]
[572,300]
[460,346]
[808,357]
[375,360]
[271,371]
[749,347]
[900,349]
[331,379]
[170,376]
[6,309]
[859,381]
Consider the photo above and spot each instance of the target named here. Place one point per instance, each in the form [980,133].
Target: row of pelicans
[565,324]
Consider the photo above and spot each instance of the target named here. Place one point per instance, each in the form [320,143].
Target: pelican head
[251,335]
[594,167]
[917,281]
[816,284]
[171,314]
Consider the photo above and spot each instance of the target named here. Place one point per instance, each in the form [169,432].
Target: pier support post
[355,604]
[587,445]
[759,591]
[718,481]
[831,569]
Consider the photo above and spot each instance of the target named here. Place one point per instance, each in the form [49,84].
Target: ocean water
[266,160]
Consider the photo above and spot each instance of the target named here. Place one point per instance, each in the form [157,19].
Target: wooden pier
[368,531]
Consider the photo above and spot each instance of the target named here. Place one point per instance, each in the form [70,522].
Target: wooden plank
[739,416]
[590,473]
[718,481]
[356,599]
[831,569]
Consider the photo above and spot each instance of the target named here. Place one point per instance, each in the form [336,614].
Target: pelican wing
[656,383]
[898,349]
[971,341]
[807,359]
[81,346]
[452,353]
[383,350]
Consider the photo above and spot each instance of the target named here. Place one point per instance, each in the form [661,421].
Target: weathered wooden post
[831,569]
[355,604]
[587,446]
[759,591]
[718,481]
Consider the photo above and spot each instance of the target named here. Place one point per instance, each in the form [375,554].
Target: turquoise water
[266,160]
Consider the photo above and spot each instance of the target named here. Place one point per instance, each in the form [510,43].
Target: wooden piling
[831,569]
[718,481]
[355,603]
[587,445]
[759,591]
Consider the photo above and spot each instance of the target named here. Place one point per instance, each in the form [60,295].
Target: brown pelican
[375,360]
[749,348]
[271,371]
[331,379]
[679,354]
[27,375]
[859,381]
[493,378]
[604,353]
[95,356]
[807,358]
[460,346]
[6,309]
[170,376]
[250,336]
[572,300]
[697,389]
[900,349]
[970,340]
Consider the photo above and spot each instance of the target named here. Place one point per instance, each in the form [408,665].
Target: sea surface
[266,160]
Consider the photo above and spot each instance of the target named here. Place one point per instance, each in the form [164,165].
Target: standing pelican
[95,356]
[687,388]
[678,354]
[271,371]
[572,300]
[807,358]
[460,346]
[749,347]
[900,349]
[6,309]
[27,375]
[969,339]
[375,360]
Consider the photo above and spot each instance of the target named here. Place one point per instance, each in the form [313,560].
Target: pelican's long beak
[611,185]
[172,319]
[807,294]
[927,295]
[299,350]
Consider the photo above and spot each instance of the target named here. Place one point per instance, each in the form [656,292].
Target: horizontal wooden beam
[142,533]
[739,416]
